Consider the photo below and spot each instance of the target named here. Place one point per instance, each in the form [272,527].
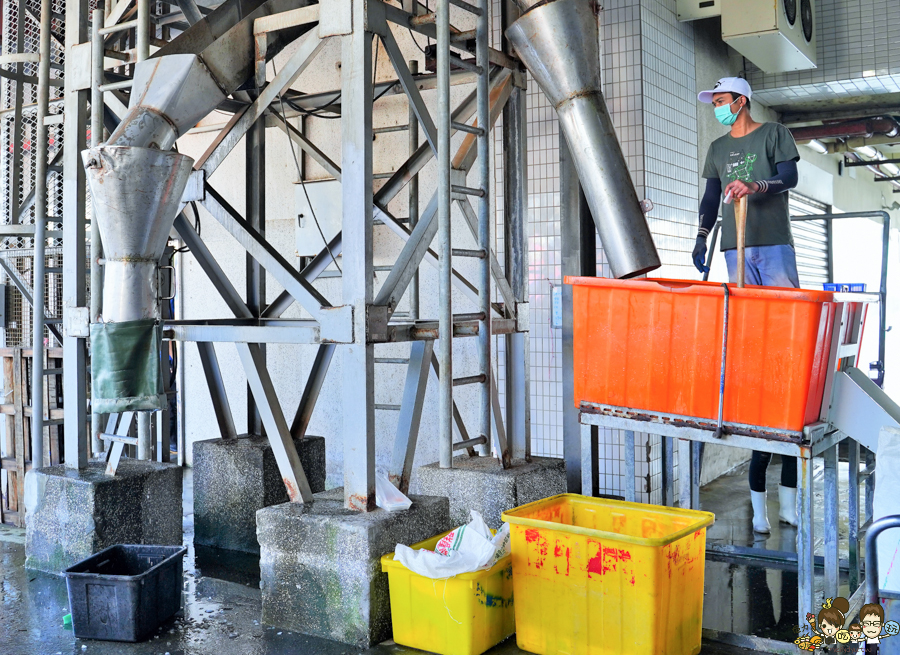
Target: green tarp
[125,367]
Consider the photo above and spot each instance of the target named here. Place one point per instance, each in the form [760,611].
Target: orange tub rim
[703,287]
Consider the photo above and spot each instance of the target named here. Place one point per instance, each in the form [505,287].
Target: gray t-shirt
[751,158]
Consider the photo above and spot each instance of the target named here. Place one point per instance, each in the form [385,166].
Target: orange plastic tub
[656,345]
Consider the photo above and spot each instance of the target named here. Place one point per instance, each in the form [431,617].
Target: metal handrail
[875,529]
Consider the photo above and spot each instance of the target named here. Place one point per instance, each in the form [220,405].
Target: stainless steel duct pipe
[169,96]
[136,194]
[559,44]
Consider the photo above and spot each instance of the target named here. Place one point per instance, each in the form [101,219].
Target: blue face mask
[724,115]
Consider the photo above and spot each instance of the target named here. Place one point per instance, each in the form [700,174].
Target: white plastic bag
[389,497]
[466,549]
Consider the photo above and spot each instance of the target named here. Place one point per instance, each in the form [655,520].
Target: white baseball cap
[727,85]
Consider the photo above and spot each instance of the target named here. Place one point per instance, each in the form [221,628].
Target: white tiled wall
[670,134]
[856,51]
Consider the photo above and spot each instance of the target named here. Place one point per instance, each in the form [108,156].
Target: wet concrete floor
[222,599]
[757,600]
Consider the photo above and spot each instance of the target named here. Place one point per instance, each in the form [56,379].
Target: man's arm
[709,211]
[709,206]
[786,179]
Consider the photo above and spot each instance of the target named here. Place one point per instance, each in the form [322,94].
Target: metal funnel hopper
[136,193]
[559,44]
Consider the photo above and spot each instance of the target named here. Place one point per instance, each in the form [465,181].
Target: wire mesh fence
[19,317]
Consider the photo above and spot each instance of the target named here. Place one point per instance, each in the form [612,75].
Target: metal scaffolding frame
[366,318]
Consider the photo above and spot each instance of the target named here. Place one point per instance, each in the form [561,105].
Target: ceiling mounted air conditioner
[777,36]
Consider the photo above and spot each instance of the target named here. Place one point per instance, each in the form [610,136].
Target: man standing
[757,160]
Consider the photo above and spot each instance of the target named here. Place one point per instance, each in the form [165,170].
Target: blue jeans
[768,266]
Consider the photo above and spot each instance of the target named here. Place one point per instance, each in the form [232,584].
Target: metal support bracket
[523,317]
[335,18]
[194,190]
[376,323]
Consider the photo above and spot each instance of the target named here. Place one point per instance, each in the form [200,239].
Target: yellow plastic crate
[463,615]
[593,576]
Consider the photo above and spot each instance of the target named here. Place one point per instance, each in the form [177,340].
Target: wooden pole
[740,224]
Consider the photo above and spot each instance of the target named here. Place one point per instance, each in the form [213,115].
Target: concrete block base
[320,565]
[70,515]
[482,484]
[233,478]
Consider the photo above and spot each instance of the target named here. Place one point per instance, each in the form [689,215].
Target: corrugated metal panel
[811,243]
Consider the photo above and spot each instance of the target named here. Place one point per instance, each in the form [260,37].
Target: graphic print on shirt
[740,166]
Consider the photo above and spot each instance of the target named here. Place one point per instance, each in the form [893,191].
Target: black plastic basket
[125,592]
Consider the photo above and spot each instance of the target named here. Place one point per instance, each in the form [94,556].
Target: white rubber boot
[760,517]
[787,501]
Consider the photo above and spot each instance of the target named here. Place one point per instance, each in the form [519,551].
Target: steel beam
[501,443]
[216,386]
[425,228]
[142,36]
[255,199]
[295,331]
[853,514]
[499,277]
[16,225]
[97,114]
[461,433]
[401,177]
[805,537]
[16,168]
[410,413]
[74,348]
[356,188]
[409,86]
[144,436]
[211,267]
[312,389]
[629,466]
[336,322]
[407,263]
[190,10]
[276,427]
[685,472]
[671,429]
[590,457]
[668,471]
[114,454]
[431,257]
[579,257]
[444,234]
[240,123]
[309,147]
[25,290]
[162,424]
[830,528]
[413,195]
[515,227]
[312,270]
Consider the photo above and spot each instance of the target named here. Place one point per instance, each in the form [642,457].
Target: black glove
[699,255]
